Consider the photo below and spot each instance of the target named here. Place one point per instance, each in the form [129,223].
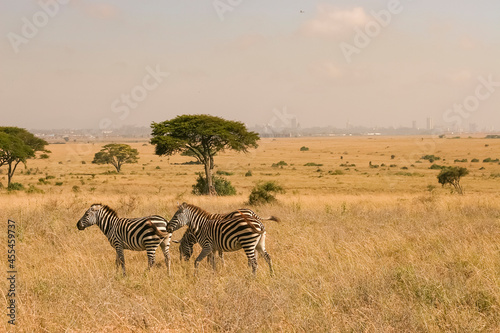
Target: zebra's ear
[96,207]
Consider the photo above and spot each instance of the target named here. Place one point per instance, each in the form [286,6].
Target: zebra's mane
[107,209]
[198,210]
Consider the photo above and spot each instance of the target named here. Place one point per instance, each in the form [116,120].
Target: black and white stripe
[223,233]
[189,239]
[136,234]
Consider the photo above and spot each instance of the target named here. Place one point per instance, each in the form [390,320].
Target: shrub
[224,173]
[393,157]
[279,164]
[15,187]
[33,189]
[304,148]
[76,188]
[59,183]
[489,159]
[44,156]
[264,193]
[462,160]
[222,186]
[336,172]
[436,167]
[452,175]
[430,158]
[43,181]
[249,173]
[474,160]
[313,164]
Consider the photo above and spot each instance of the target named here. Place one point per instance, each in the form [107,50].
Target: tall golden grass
[369,250]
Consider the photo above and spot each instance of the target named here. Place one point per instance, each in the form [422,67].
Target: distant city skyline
[105,64]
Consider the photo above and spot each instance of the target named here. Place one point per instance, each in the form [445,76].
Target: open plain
[368,241]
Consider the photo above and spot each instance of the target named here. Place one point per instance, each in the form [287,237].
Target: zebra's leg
[120,259]
[151,257]
[165,247]
[261,248]
[221,257]
[204,252]
[252,261]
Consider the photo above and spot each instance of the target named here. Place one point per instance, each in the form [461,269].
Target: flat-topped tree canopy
[202,136]
[17,145]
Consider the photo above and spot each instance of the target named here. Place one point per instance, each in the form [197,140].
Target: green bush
[474,160]
[222,186]
[264,193]
[313,164]
[304,148]
[44,156]
[489,159]
[224,173]
[33,189]
[59,183]
[249,173]
[279,164]
[16,187]
[436,167]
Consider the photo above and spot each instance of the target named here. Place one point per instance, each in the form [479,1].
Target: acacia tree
[116,154]
[202,136]
[452,175]
[17,145]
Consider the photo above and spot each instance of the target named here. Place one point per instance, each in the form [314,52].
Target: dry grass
[367,250]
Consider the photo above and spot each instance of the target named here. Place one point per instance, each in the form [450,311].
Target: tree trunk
[10,173]
[209,165]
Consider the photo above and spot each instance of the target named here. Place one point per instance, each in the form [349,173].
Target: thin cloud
[332,21]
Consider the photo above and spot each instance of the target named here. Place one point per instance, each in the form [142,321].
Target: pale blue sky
[264,55]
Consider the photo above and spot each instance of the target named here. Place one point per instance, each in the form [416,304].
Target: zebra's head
[89,218]
[180,218]
[186,245]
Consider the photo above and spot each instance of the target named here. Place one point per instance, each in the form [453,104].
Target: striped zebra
[136,234]
[189,239]
[231,232]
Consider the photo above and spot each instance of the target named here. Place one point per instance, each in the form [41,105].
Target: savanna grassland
[368,241]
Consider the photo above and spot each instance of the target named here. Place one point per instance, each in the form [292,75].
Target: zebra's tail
[157,231]
[272,218]
[250,224]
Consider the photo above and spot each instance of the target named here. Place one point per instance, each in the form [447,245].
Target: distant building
[430,124]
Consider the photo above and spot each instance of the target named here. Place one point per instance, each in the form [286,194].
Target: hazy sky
[90,64]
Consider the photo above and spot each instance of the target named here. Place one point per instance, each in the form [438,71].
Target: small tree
[116,154]
[452,175]
[264,193]
[17,145]
[202,136]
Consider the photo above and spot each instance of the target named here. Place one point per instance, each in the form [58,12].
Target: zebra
[230,233]
[136,234]
[189,238]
